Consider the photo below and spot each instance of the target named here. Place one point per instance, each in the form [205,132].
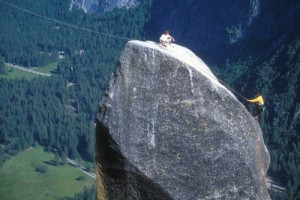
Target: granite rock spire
[168,129]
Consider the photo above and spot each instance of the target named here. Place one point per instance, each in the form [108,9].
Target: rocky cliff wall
[102,5]
[218,30]
[169,130]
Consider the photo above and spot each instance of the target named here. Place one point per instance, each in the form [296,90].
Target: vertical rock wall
[169,130]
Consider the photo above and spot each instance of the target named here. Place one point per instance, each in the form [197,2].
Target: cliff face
[85,5]
[106,5]
[169,130]
[102,5]
[218,30]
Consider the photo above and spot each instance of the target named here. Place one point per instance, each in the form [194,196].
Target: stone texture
[168,129]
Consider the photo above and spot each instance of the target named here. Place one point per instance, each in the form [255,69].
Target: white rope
[63,23]
[91,31]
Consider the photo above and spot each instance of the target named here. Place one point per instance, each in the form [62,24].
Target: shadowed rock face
[222,30]
[169,130]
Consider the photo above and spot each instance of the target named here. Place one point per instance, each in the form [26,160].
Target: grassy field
[20,180]
[13,73]
[48,69]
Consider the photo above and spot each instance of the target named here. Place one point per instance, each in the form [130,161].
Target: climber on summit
[260,104]
[166,39]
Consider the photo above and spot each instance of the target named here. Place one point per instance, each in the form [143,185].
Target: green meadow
[13,73]
[20,179]
[48,69]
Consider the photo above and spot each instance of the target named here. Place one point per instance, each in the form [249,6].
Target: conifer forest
[58,112]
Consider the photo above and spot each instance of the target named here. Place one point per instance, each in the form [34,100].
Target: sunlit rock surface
[168,129]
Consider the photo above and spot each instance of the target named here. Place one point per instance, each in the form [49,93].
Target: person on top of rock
[166,39]
[260,104]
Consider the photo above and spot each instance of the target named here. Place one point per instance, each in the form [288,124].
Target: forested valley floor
[57,112]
